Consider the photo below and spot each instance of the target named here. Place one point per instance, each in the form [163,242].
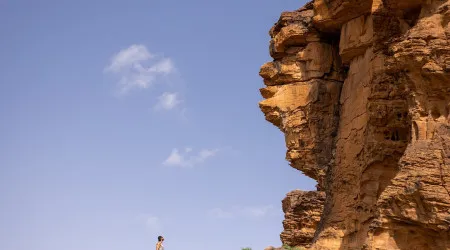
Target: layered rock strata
[360,90]
[302,215]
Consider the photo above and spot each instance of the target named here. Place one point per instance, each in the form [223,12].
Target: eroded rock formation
[302,211]
[360,90]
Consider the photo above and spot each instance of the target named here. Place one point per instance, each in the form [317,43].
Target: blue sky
[123,120]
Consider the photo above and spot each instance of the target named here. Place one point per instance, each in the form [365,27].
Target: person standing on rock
[159,245]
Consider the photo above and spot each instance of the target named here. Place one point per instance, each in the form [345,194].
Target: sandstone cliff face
[302,211]
[360,90]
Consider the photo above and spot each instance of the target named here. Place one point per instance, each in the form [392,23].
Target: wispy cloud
[137,68]
[220,213]
[151,222]
[168,101]
[242,211]
[188,158]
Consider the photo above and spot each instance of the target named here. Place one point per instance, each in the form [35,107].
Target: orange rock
[361,91]
[302,215]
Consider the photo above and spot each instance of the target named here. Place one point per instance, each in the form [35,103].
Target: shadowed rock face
[360,90]
[302,94]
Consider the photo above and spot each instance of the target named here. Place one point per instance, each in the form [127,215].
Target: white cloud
[188,158]
[168,101]
[219,213]
[132,65]
[135,54]
[174,158]
[242,211]
[165,66]
[257,211]
[151,222]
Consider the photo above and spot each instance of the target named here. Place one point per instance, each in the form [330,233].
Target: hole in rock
[415,131]
[401,115]
[411,16]
[396,134]
[435,113]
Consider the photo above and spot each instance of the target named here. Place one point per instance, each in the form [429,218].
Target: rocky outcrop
[302,215]
[360,90]
[302,93]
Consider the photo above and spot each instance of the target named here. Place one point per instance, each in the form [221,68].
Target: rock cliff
[360,89]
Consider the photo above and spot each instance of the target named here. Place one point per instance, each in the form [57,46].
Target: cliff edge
[360,90]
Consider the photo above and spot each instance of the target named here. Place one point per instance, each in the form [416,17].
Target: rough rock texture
[302,214]
[360,90]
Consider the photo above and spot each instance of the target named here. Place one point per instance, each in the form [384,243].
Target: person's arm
[158,245]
